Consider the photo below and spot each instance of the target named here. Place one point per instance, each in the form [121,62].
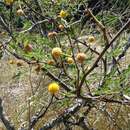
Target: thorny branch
[3,118]
[85,100]
[33,26]
[101,26]
[40,115]
[64,116]
[100,56]
[5,26]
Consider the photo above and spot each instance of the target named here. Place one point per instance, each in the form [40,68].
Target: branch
[101,55]
[103,98]
[64,116]
[52,76]
[124,50]
[33,10]
[33,26]
[6,122]
[100,25]
[36,118]
[2,22]
[82,121]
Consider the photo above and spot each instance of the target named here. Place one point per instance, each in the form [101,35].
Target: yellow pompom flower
[50,62]
[61,27]
[20,12]
[9,2]
[56,52]
[70,60]
[63,14]
[11,62]
[91,39]
[52,34]
[53,88]
[81,57]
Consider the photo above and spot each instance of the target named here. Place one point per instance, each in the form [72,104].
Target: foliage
[44,36]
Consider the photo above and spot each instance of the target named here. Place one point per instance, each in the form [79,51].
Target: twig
[64,116]
[3,23]
[101,26]
[29,6]
[29,112]
[30,79]
[100,56]
[33,26]
[6,122]
[40,115]
[127,45]
[52,76]
[73,56]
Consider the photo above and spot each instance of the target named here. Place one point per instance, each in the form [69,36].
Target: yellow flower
[70,60]
[63,14]
[20,12]
[56,52]
[28,47]
[81,57]
[52,34]
[9,2]
[50,62]
[11,62]
[53,88]
[91,39]
[61,27]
